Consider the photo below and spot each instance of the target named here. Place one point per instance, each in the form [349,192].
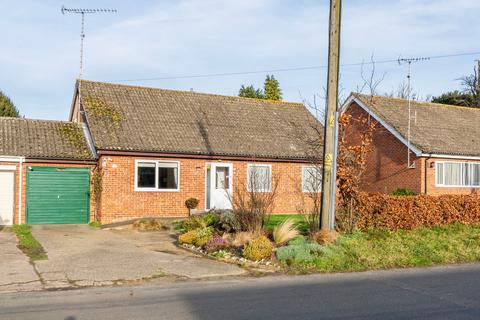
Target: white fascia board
[397,135]
[11,159]
[89,138]
[449,156]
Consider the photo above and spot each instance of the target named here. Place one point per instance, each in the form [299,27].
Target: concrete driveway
[79,255]
[16,272]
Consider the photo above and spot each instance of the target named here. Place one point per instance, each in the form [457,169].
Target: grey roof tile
[437,129]
[132,118]
[43,139]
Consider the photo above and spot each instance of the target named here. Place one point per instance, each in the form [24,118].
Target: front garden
[280,243]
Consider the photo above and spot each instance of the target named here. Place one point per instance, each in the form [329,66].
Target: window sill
[156,190]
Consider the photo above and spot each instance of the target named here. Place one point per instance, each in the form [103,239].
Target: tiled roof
[132,118]
[43,139]
[435,128]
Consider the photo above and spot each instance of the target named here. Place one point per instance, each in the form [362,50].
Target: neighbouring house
[444,145]
[156,148]
[44,172]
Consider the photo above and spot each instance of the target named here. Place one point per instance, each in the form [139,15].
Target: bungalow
[155,148]
[442,155]
[44,172]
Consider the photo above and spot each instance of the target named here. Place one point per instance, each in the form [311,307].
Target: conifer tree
[272,88]
[7,108]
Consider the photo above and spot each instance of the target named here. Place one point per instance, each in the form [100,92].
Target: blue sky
[154,39]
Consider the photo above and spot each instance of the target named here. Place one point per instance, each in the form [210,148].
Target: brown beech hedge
[377,210]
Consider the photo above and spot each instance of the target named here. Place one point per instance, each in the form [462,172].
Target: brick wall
[387,163]
[119,200]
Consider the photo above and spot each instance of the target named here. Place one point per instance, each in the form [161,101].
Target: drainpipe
[20,185]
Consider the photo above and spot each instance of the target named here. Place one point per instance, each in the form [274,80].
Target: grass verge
[28,244]
[379,249]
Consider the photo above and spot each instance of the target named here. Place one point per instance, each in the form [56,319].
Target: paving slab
[16,272]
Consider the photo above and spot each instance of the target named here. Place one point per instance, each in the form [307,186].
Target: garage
[58,195]
[7,184]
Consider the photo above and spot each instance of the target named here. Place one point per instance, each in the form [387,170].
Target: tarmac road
[451,292]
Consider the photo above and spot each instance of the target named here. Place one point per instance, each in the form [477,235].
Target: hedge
[377,210]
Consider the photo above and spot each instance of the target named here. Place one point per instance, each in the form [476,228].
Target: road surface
[434,293]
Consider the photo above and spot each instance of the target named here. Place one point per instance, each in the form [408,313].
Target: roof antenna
[410,165]
[82,32]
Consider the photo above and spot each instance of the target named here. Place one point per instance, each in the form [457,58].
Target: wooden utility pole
[329,149]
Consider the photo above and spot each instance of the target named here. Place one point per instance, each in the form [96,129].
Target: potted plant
[192,204]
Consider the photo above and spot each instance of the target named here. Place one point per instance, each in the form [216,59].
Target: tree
[455,98]
[250,92]
[467,97]
[7,108]
[354,146]
[272,88]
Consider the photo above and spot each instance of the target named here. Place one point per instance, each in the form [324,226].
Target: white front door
[219,185]
[6,197]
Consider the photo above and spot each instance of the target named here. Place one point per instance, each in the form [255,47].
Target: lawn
[378,249]
[276,219]
[28,244]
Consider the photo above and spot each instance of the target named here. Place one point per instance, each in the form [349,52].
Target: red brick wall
[119,200]
[24,182]
[387,162]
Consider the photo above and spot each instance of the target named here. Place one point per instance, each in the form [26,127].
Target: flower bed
[217,235]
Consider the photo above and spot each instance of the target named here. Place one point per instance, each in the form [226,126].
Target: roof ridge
[39,120]
[429,103]
[265,101]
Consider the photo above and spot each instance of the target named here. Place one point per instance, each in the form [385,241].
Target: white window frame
[262,165]
[443,185]
[157,165]
[303,180]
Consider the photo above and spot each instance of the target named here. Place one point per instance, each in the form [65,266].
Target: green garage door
[58,195]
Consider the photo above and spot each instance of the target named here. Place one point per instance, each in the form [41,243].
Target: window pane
[312,179]
[475,174]
[167,175]
[222,177]
[453,174]
[259,178]
[466,174]
[146,175]
[439,173]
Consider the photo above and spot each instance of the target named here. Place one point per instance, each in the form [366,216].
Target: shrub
[216,243]
[284,232]
[147,225]
[193,223]
[191,203]
[228,222]
[403,192]
[242,238]
[202,236]
[188,237]
[297,240]
[375,210]
[210,218]
[325,237]
[303,253]
[258,249]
